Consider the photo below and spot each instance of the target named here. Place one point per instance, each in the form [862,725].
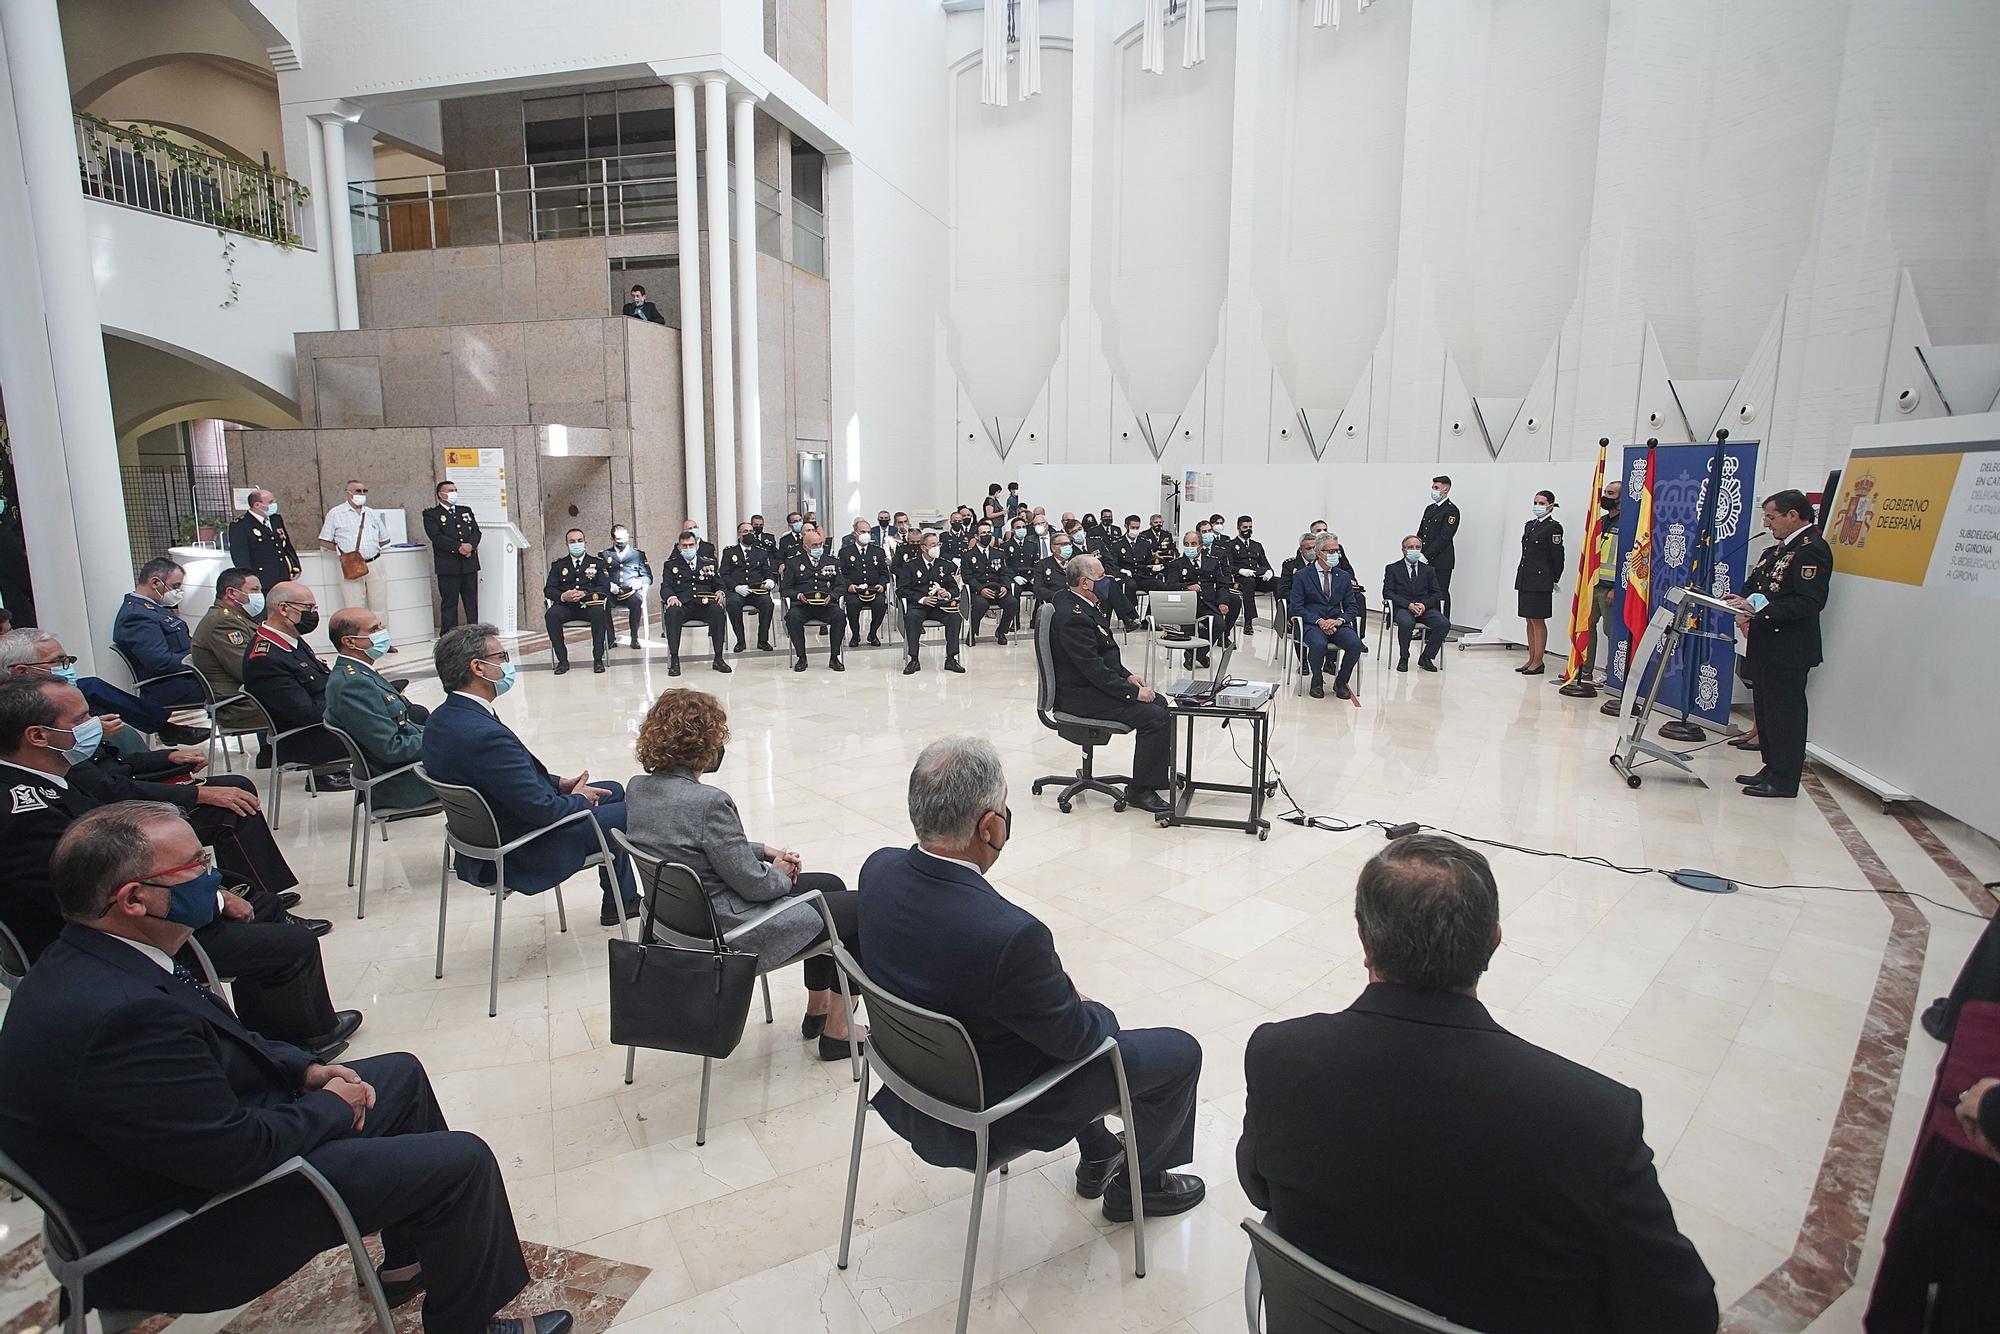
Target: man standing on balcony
[352,529]
[639,308]
[259,543]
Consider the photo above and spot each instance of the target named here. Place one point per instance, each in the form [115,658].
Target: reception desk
[410,619]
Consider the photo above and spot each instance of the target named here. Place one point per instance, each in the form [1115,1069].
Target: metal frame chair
[1306,1297]
[218,735]
[1088,733]
[678,913]
[1200,630]
[364,804]
[13,959]
[63,1250]
[471,829]
[1391,640]
[281,766]
[139,683]
[928,1060]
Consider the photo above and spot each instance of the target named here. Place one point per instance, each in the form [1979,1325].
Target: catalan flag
[1586,577]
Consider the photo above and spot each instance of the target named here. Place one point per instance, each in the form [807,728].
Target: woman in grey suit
[672,814]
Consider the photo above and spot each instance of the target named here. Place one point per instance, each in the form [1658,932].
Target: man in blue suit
[941,937]
[1326,597]
[158,642]
[466,743]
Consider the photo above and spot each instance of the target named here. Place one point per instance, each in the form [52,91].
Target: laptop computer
[1173,609]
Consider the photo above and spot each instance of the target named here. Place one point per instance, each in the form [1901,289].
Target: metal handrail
[158,176]
[604,195]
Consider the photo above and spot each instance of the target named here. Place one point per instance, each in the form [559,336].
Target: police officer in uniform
[702,544]
[810,579]
[1209,576]
[929,589]
[453,530]
[259,543]
[864,575]
[1091,682]
[578,589]
[1778,611]
[1048,579]
[1252,569]
[990,579]
[1155,552]
[749,574]
[691,590]
[762,538]
[631,576]
[1437,530]
[288,679]
[1536,577]
[792,540]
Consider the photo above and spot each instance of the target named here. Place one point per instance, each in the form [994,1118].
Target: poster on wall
[1702,677]
[1918,514]
[1198,490]
[481,478]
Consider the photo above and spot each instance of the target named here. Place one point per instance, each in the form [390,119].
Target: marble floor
[1767,1029]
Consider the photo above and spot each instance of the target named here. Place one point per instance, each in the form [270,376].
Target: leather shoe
[674,668]
[609,916]
[1342,692]
[1428,664]
[720,666]
[1403,663]
[319,926]
[288,899]
[1092,1177]
[875,641]
[798,664]
[953,665]
[598,666]
[561,669]
[329,1045]
[548,1322]
[1319,690]
[1146,800]
[812,1026]
[1745,743]
[176,735]
[833,1049]
[1174,1193]
[396,1291]
[1766,790]
[837,665]
[332,782]
[1749,779]
[1935,1019]
[911,668]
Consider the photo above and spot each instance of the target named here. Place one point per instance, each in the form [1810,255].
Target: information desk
[1184,785]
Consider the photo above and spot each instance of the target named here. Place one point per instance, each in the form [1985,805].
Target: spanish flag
[1638,606]
[1586,575]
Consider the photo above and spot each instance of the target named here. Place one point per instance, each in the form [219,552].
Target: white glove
[1246,573]
[1020,581]
[770,584]
[743,590]
[1270,574]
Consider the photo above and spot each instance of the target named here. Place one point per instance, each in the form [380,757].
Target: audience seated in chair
[282,673]
[1411,591]
[134,1091]
[369,707]
[154,639]
[466,743]
[1413,1144]
[221,642]
[940,936]
[1326,597]
[32,653]
[673,814]
[1091,682]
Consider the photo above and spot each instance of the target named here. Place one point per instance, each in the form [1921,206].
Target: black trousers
[831,616]
[1009,603]
[434,1193]
[561,614]
[1779,703]
[635,612]
[278,979]
[1435,629]
[1248,587]
[1162,1069]
[701,613]
[1152,732]
[1444,569]
[875,611]
[455,590]
[243,843]
[844,905]
[757,602]
[1118,597]
[916,616]
[315,745]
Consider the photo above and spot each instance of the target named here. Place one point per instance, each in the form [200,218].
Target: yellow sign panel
[1891,508]
[461,458]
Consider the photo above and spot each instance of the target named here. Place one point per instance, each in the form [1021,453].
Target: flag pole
[1581,628]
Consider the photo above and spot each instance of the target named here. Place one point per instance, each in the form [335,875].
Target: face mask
[191,903]
[64,672]
[620,542]
[308,620]
[576,548]
[359,502]
[742,538]
[1158,525]
[1541,511]
[1208,539]
[172,597]
[506,681]
[986,539]
[450,498]
[1041,528]
[1328,560]
[1245,534]
[1191,552]
[1436,495]
[1413,556]
[3,504]
[817,552]
[798,527]
[881,521]
[931,553]
[253,604]
[1132,530]
[272,508]
[1101,588]
[696,530]
[1063,551]
[85,737]
[720,751]
[756,527]
[862,539]
[378,644]
[688,554]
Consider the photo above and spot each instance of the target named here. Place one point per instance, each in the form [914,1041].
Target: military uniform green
[449,527]
[1792,577]
[361,702]
[811,585]
[691,590]
[749,576]
[221,638]
[589,576]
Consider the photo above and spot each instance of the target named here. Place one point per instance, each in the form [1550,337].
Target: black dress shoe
[1403,663]
[854,641]
[953,665]
[972,641]
[798,664]
[1174,1193]
[763,646]
[1318,690]
[720,666]
[288,899]
[1001,640]
[330,1044]
[396,1291]
[1768,790]
[598,666]
[1532,671]
[633,642]
[812,1026]
[333,782]
[562,669]
[1341,691]
[673,668]
[739,646]
[319,926]
[911,668]
[175,734]
[1092,1177]
[1936,1019]
[1749,780]
[1428,664]
[833,1049]
[1145,799]
[837,665]
[875,641]
[548,1322]
[263,760]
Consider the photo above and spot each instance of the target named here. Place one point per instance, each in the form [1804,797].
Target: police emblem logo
[255,531]
[1451,519]
[27,797]
[1808,571]
[590,569]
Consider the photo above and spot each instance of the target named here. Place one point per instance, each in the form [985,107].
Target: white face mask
[172,597]
[931,553]
[861,539]
[450,498]
[1413,556]
[359,502]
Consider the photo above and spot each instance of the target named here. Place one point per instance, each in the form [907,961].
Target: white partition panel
[1128,488]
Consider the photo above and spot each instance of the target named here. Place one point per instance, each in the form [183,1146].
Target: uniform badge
[1451,519]
[236,638]
[590,569]
[1808,571]
[28,797]
[256,531]
[347,667]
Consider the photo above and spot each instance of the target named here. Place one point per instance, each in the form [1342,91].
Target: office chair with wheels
[1089,733]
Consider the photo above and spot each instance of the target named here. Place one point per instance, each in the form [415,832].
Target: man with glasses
[370,708]
[34,653]
[352,529]
[156,641]
[46,732]
[288,679]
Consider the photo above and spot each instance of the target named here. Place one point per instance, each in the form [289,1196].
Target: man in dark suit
[1325,596]
[940,936]
[157,642]
[1091,682]
[1438,530]
[1778,612]
[691,590]
[639,308]
[1410,587]
[1413,1144]
[466,743]
[631,575]
[45,732]
[285,676]
[259,543]
[453,530]
[135,1091]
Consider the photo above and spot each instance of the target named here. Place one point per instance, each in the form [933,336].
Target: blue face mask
[64,672]
[1063,551]
[1414,557]
[1101,587]
[506,681]
[253,604]
[688,554]
[85,738]
[798,527]
[273,509]
[1207,539]
[817,552]
[378,644]
[1541,511]
[1436,495]
[576,548]
[191,903]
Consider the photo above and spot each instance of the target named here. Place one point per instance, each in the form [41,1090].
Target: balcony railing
[541,201]
[156,175]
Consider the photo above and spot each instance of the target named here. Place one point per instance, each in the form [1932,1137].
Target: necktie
[1326,585]
[185,978]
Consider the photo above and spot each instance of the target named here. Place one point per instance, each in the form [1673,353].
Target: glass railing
[157,175]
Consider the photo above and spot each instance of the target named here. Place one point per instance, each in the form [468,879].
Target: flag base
[1682,729]
[1579,690]
[1610,706]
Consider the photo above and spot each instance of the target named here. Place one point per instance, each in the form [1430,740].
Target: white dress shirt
[351,529]
[153,952]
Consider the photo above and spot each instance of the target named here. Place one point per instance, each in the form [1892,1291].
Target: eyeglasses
[493,657]
[63,660]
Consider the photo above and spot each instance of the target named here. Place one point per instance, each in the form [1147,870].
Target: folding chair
[1302,1296]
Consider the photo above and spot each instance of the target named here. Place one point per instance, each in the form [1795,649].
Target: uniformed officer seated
[749,578]
[929,590]
[288,679]
[992,581]
[631,576]
[221,640]
[691,590]
[810,580]
[157,642]
[1091,682]
[578,589]
[369,707]
[864,577]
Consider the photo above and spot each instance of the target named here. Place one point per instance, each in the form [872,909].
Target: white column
[340,221]
[722,362]
[750,420]
[687,228]
[52,346]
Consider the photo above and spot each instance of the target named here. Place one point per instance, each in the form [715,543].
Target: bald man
[288,679]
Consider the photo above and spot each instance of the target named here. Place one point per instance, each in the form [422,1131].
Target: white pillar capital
[740,96]
[683,81]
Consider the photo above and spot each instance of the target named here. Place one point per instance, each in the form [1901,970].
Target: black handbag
[675,998]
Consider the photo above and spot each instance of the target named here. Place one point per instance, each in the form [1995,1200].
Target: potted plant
[199,531]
